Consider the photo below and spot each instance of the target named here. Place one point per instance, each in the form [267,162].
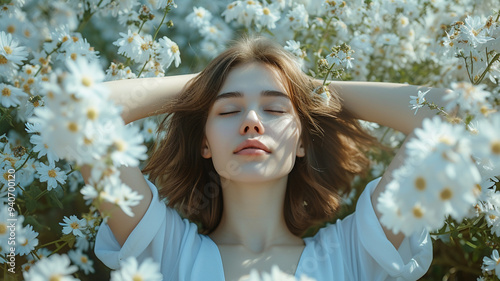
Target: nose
[252,124]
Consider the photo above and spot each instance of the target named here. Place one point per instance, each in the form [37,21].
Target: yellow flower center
[87,81]
[420,183]
[417,212]
[52,174]
[130,39]
[3,59]
[120,145]
[174,48]
[74,225]
[73,56]
[446,194]
[73,127]
[56,277]
[84,259]
[87,141]
[3,228]
[137,277]
[266,11]
[8,50]
[92,114]
[6,92]
[495,147]
[11,29]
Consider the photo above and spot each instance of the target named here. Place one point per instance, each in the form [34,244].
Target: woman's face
[252,104]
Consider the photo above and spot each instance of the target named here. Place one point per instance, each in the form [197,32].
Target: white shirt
[354,248]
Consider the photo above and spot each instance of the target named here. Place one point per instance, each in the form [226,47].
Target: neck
[253,215]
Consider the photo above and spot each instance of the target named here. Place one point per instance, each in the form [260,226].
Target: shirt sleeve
[369,255]
[161,234]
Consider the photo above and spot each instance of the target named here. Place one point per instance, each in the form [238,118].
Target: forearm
[387,103]
[144,97]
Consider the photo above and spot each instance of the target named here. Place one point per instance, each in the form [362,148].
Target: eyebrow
[266,93]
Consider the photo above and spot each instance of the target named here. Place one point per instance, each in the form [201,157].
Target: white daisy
[129,44]
[493,263]
[51,174]
[149,129]
[487,141]
[294,47]
[469,98]
[418,101]
[199,17]
[298,17]
[388,39]
[128,146]
[132,270]
[10,95]
[43,149]
[11,55]
[55,267]
[120,194]
[268,17]
[232,11]
[84,79]
[27,240]
[168,53]
[82,261]
[119,72]
[74,225]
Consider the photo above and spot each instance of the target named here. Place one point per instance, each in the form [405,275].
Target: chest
[238,262]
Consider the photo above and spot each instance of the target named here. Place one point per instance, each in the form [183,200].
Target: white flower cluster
[14,235]
[213,30]
[441,177]
[152,56]
[79,124]
[476,40]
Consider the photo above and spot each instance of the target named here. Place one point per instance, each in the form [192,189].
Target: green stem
[27,158]
[41,194]
[50,243]
[48,55]
[140,27]
[86,17]
[495,58]
[458,229]
[167,9]
[144,66]
[385,133]
[328,74]
[58,248]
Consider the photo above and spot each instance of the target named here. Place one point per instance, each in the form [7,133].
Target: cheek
[217,135]
[286,129]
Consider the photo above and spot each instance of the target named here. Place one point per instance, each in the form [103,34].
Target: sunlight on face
[253,104]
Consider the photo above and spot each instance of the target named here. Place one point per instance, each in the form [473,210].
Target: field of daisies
[55,115]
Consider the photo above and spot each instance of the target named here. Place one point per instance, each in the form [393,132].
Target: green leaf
[54,200]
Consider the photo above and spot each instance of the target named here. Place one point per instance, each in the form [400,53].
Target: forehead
[254,77]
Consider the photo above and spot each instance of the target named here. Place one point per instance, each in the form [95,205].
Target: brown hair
[334,143]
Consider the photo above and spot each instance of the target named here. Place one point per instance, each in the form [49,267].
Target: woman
[253,157]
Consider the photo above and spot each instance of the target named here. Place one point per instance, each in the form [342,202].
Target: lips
[255,144]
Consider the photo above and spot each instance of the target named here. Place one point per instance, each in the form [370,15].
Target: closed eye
[227,113]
